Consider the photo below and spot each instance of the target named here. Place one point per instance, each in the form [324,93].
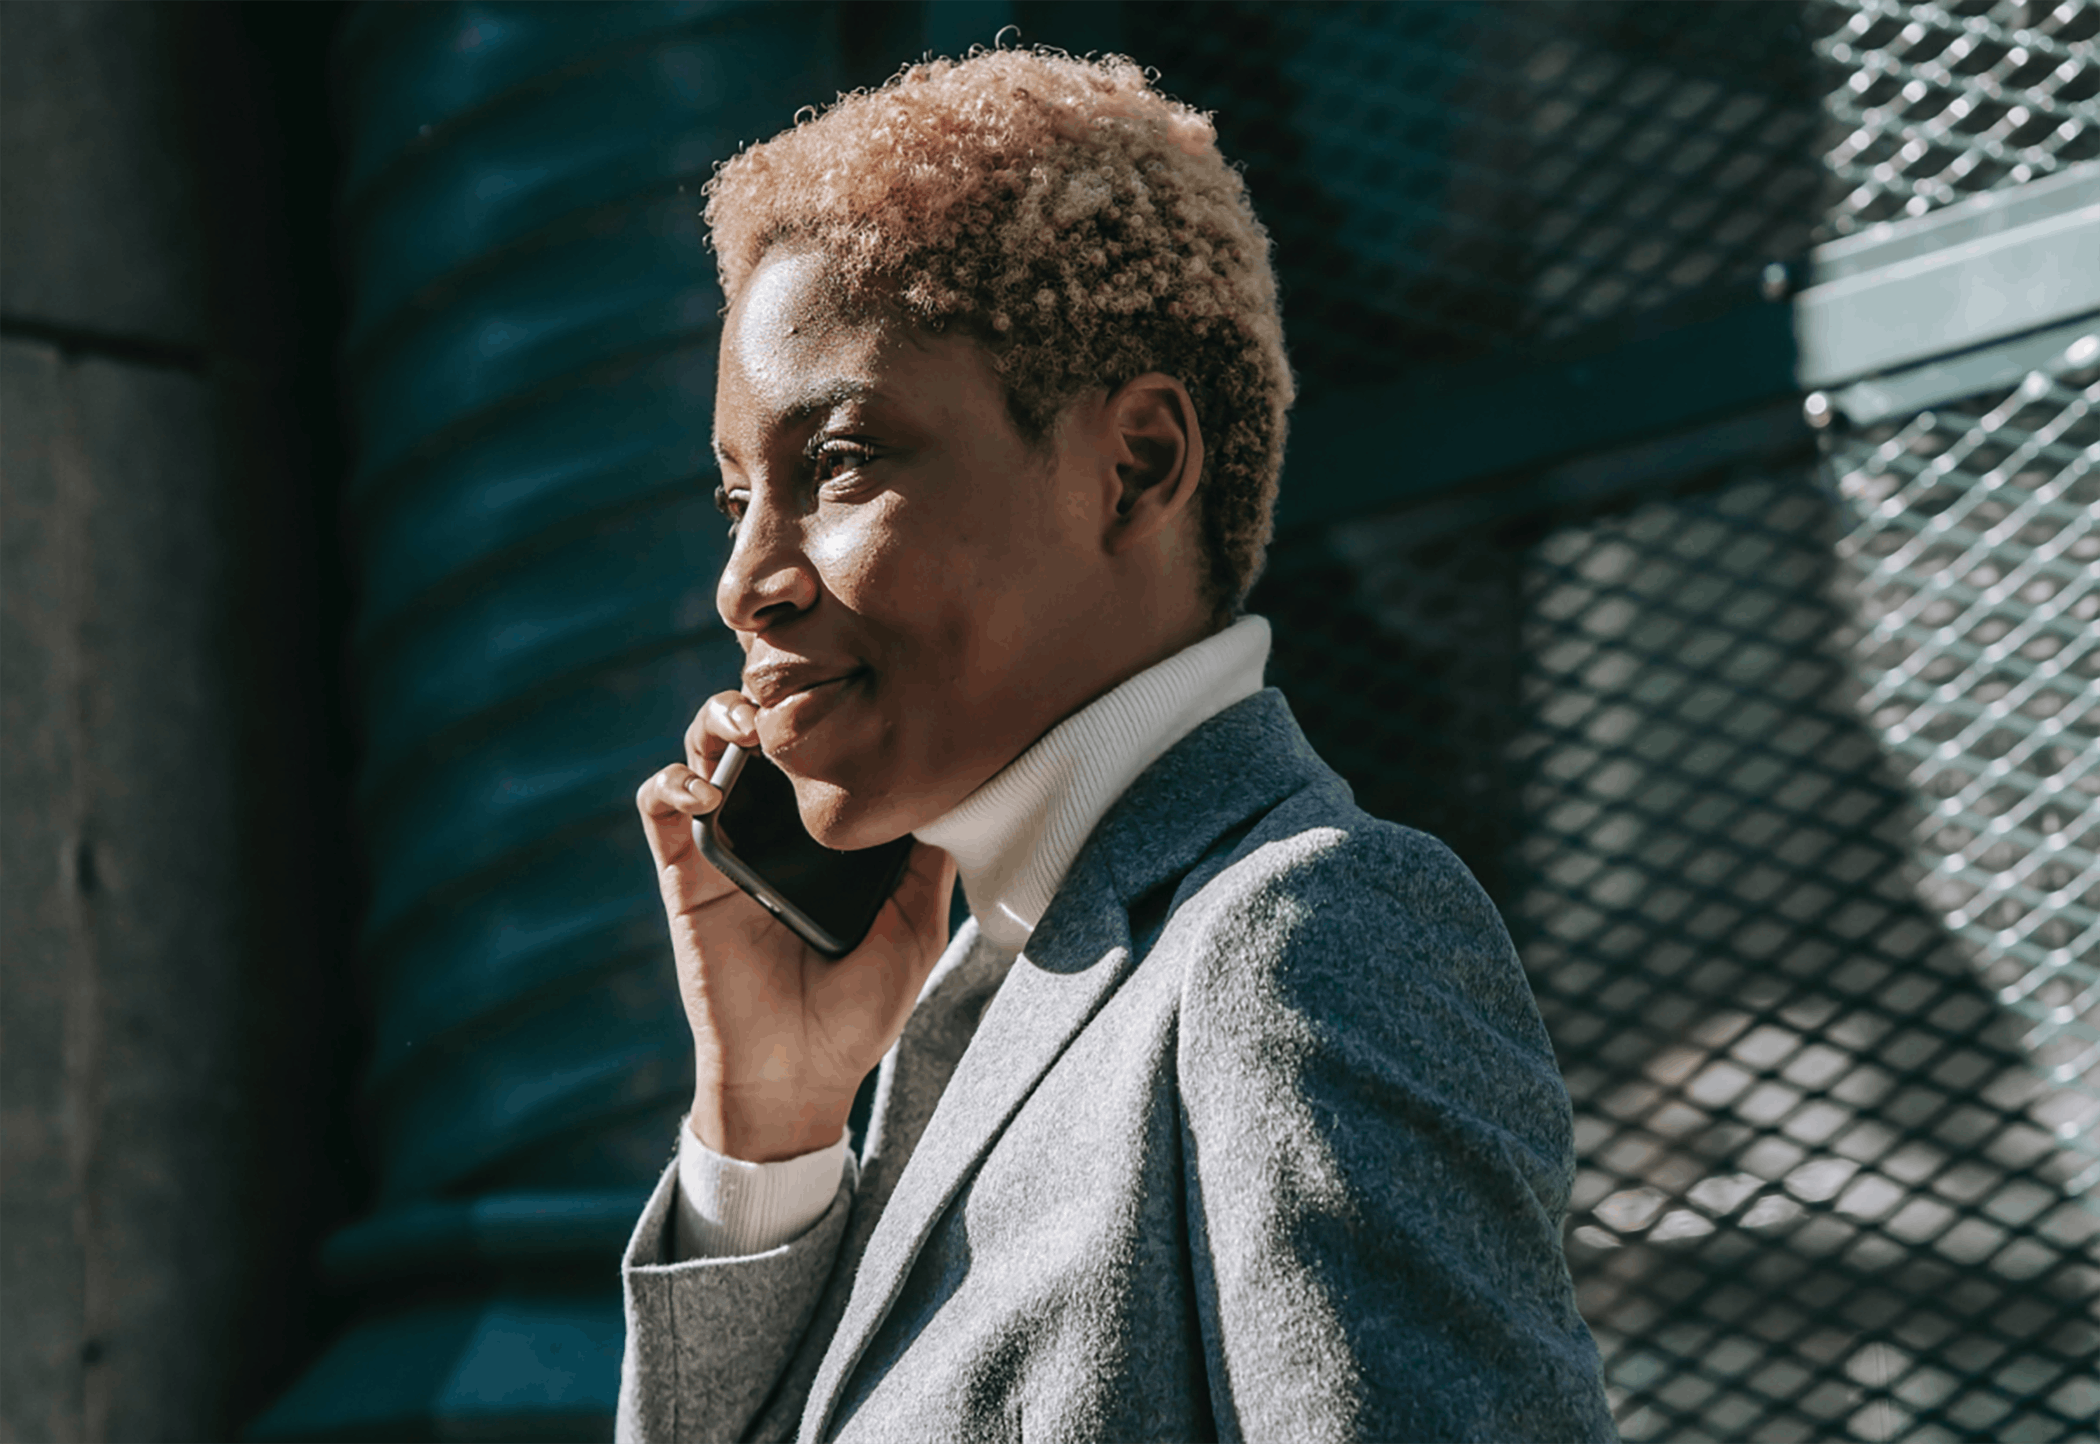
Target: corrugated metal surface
[529,368]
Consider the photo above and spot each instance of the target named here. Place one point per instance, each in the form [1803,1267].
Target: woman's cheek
[1005,623]
[906,580]
[846,555]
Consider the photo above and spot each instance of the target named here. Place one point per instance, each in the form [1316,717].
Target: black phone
[757,840]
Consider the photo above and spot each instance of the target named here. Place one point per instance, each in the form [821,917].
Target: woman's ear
[1158,449]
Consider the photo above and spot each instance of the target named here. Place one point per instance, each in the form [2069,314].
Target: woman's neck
[1015,837]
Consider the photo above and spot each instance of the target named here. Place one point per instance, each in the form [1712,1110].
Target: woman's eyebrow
[823,396]
[817,399]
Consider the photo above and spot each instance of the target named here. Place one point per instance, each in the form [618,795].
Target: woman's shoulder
[1324,910]
[1319,860]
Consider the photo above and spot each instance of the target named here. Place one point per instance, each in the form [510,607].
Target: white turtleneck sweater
[1012,840]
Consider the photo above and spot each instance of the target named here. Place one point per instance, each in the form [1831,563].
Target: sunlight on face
[915,587]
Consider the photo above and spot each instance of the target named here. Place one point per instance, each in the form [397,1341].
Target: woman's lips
[793,716]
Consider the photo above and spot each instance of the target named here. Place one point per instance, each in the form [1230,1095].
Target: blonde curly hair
[1080,225]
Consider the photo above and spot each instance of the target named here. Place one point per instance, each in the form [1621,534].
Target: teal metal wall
[529,371]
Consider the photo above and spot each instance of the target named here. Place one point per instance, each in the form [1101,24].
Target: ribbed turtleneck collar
[1014,838]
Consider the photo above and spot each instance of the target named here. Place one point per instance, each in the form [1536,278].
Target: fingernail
[744,716]
[700,787]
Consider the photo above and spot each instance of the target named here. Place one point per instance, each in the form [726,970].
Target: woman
[1228,1113]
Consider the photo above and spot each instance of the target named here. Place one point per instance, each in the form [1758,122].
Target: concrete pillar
[164,1031]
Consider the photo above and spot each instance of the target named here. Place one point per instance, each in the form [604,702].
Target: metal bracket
[1948,378]
[1996,266]
[1449,430]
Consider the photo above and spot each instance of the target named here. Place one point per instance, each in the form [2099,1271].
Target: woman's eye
[835,457]
[730,505]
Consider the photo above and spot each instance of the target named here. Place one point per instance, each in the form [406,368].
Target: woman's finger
[669,802]
[724,718]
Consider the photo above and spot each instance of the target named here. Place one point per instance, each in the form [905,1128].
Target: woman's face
[914,586]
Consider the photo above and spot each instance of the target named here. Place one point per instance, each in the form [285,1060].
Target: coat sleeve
[709,1340]
[1379,1153]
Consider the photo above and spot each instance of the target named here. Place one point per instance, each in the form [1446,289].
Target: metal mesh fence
[1447,181]
[1974,553]
[1818,1201]
[1828,1120]
[1820,1195]
[1930,103]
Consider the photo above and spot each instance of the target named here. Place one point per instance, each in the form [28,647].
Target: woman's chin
[847,819]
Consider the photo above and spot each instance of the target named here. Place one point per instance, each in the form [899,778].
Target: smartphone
[757,840]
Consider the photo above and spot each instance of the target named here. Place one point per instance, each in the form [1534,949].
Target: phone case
[733,867]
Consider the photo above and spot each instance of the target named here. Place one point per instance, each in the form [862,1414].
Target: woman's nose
[768,577]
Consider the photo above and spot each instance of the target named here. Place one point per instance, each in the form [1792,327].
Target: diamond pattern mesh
[1974,554]
[1820,1193]
[1444,181]
[1935,102]
[1806,1129]
[1832,1073]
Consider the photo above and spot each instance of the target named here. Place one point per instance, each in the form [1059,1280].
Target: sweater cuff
[727,1207]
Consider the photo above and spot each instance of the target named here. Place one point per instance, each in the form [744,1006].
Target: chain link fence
[1783,770]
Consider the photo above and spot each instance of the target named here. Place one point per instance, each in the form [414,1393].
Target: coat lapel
[1051,991]
[1232,768]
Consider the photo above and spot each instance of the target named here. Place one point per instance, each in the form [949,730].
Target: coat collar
[1230,770]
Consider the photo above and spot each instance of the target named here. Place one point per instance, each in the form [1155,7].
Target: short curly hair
[1068,216]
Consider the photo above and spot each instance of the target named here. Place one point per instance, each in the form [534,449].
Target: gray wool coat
[1260,1138]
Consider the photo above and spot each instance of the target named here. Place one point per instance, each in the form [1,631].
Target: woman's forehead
[787,339]
[788,306]
[791,350]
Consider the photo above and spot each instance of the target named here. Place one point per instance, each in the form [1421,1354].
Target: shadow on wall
[176,885]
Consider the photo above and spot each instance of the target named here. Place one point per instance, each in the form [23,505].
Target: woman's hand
[782,1035]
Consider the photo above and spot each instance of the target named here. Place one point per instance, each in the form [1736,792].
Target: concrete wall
[169,906]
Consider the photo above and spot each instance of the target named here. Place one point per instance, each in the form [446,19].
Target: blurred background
[1692,516]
